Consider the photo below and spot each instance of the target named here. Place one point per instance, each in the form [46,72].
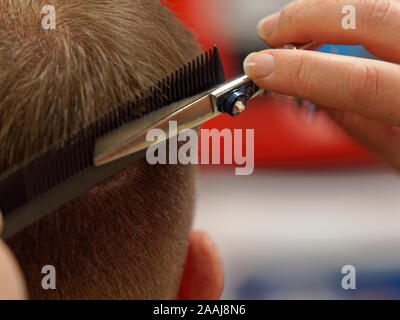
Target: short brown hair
[127,237]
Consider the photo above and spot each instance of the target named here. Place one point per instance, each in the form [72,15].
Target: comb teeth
[39,174]
[202,73]
[185,82]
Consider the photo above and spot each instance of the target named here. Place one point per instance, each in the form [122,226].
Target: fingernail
[267,25]
[258,65]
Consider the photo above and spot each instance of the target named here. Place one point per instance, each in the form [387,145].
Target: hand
[11,281]
[361,95]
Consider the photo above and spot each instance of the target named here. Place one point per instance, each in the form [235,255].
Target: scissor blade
[131,138]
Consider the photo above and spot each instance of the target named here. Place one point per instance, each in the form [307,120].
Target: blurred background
[316,201]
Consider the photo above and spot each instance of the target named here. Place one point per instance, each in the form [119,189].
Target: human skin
[12,285]
[361,95]
[126,238]
[202,277]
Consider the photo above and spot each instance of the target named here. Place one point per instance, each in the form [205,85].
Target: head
[128,237]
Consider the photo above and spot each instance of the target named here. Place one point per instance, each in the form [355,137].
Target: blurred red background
[284,137]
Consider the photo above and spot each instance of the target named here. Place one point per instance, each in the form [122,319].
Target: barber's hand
[362,95]
[11,281]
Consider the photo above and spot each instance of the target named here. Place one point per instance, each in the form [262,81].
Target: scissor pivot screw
[239,107]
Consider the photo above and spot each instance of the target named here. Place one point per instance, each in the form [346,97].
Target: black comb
[46,181]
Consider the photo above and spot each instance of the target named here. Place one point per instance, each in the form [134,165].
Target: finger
[379,138]
[377,24]
[367,87]
[12,285]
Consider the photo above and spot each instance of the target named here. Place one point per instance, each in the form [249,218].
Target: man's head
[128,237]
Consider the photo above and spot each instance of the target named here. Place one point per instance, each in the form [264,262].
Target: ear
[202,276]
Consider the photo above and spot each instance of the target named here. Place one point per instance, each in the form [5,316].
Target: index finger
[368,87]
[376,25]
